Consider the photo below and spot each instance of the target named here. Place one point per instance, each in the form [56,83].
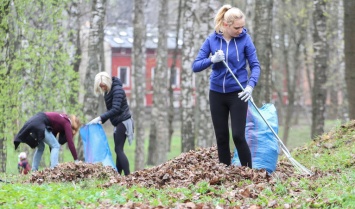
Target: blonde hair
[227,14]
[75,123]
[102,78]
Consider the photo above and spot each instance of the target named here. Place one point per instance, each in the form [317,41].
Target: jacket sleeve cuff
[252,84]
[103,119]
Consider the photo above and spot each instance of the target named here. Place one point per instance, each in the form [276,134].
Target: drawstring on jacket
[236,47]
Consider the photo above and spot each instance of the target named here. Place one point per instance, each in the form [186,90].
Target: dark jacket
[116,104]
[33,130]
[57,123]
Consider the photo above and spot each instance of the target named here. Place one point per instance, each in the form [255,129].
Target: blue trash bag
[262,142]
[96,147]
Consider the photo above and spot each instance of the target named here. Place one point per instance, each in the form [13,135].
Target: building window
[123,75]
[175,77]
[152,76]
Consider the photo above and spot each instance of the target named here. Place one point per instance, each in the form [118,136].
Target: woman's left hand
[94,121]
[246,94]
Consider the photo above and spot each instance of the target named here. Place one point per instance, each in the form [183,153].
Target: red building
[120,42]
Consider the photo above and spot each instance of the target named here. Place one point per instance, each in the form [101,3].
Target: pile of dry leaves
[182,171]
[68,172]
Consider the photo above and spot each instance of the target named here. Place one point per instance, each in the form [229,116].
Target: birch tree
[320,47]
[4,74]
[262,39]
[205,24]
[176,56]
[138,81]
[349,50]
[159,132]
[188,54]
[335,85]
[73,23]
[95,56]
[249,11]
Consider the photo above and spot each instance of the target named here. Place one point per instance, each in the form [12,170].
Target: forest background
[51,51]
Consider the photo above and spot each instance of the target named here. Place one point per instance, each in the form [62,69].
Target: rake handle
[284,148]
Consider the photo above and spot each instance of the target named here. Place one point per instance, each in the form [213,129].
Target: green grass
[301,134]
[331,156]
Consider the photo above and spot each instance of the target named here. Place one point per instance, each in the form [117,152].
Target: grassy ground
[331,157]
[299,135]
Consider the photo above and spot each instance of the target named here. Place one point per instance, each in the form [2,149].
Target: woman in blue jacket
[230,42]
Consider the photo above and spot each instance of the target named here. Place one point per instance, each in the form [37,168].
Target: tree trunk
[204,128]
[320,47]
[176,56]
[250,11]
[3,154]
[349,50]
[335,41]
[4,33]
[158,154]
[188,55]
[138,82]
[74,25]
[288,110]
[262,37]
[96,64]
[74,37]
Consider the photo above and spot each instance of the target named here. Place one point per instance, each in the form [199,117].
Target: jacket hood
[116,81]
[244,32]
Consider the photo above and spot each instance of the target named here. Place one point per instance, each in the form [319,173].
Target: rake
[287,153]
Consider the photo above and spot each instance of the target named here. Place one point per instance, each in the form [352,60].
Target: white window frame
[128,73]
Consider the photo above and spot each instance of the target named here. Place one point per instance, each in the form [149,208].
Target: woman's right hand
[218,56]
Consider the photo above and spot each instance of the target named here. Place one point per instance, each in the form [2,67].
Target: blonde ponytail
[219,18]
[227,14]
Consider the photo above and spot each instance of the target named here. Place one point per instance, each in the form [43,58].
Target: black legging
[121,159]
[222,105]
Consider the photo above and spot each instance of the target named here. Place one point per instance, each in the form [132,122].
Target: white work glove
[246,94]
[218,56]
[94,121]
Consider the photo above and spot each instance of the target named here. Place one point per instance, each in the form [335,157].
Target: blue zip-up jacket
[237,52]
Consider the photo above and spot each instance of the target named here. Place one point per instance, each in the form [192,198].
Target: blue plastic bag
[96,147]
[262,142]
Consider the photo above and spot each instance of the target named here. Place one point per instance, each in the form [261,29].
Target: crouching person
[43,128]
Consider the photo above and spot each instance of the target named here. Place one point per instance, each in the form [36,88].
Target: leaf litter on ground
[200,165]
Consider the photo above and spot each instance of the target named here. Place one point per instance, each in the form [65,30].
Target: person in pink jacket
[43,128]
